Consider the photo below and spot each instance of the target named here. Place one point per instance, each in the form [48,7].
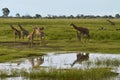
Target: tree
[38,16]
[18,15]
[6,12]
[117,16]
[78,16]
[71,16]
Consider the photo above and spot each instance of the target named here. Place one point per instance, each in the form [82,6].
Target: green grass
[59,36]
[72,74]
[69,74]
[108,62]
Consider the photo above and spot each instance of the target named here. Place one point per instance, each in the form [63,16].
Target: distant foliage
[18,15]
[6,12]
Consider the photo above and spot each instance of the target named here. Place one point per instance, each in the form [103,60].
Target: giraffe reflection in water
[36,62]
[81,57]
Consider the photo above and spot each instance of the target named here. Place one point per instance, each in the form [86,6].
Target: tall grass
[68,74]
[60,28]
[72,74]
[107,62]
[105,35]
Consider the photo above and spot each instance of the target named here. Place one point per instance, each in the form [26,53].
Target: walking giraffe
[40,33]
[16,32]
[23,32]
[30,37]
[81,31]
[112,23]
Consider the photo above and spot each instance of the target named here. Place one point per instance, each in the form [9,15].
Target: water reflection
[80,57]
[35,62]
[65,61]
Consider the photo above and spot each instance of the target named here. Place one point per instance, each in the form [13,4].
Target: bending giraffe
[30,38]
[81,31]
[23,32]
[112,23]
[16,32]
[40,33]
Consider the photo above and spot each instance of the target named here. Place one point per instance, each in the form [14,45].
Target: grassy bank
[59,36]
[72,74]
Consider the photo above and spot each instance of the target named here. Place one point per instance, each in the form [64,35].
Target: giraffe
[30,37]
[40,33]
[112,23]
[23,32]
[81,31]
[16,32]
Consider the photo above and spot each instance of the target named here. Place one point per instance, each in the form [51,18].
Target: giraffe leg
[19,37]
[23,39]
[78,36]
[31,42]
[28,43]
[15,38]
[22,36]
[40,40]
[82,37]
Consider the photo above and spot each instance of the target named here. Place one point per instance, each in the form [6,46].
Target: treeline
[63,16]
[6,12]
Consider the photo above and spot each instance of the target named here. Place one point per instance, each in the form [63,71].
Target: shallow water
[62,61]
[65,61]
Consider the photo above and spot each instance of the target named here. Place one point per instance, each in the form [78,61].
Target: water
[65,61]
[60,61]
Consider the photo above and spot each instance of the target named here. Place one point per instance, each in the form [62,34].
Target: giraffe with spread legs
[23,32]
[30,37]
[40,33]
[16,32]
[81,32]
[112,23]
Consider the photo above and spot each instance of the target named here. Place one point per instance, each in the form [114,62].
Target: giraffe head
[71,24]
[34,27]
[41,28]
[19,24]
[10,25]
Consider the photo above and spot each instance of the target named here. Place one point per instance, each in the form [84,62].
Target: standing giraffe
[112,23]
[40,33]
[30,38]
[23,32]
[16,32]
[81,31]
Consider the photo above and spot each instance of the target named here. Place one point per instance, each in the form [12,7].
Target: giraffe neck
[33,32]
[110,21]
[13,28]
[21,27]
[75,27]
